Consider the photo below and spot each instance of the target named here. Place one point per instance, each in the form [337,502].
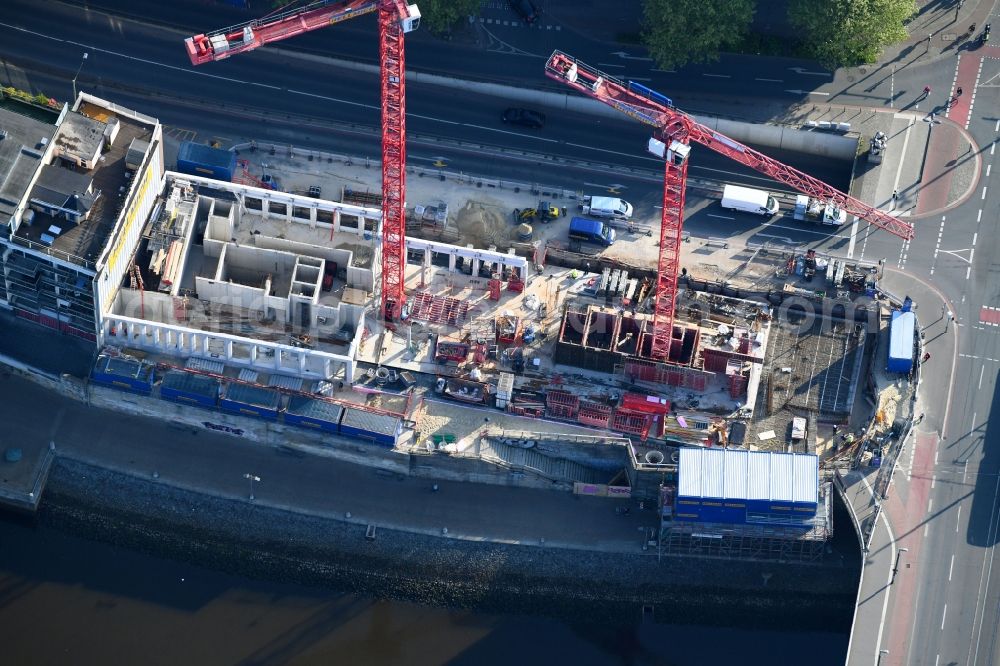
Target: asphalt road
[946,599]
[129,57]
[500,49]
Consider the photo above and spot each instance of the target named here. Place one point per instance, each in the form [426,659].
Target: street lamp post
[251,478]
[78,74]
[895,566]
[951,318]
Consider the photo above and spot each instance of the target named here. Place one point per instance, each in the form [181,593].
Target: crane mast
[673,134]
[395,18]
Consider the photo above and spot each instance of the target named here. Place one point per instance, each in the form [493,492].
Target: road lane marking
[951,566]
[719,76]
[930,504]
[854,236]
[975,237]
[958,520]
[899,168]
[771,80]
[934,477]
[943,616]
[721,217]
[981,371]
[984,193]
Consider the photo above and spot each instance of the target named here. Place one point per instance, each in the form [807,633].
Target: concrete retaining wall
[835,146]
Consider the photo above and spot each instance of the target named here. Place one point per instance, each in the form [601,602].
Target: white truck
[749,200]
[612,207]
[822,212]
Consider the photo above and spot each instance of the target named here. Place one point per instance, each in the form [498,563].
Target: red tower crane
[395,18]
[675,131]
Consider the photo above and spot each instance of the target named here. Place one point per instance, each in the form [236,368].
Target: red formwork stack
[562,404]
[594,414]
[632,423]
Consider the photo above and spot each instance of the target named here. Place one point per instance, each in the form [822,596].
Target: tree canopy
[441,15]
[436,15]
[850,32]
[678,32]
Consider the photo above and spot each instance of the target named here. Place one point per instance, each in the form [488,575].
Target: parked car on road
[524,118]
[526,9]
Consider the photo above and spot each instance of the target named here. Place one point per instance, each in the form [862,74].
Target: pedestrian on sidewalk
[958,92]
[927,356]
[895,195]
[927,91]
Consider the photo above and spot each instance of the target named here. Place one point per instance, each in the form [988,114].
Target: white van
[613,207]
[749,200]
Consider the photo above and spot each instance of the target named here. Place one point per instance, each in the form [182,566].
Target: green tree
[850,32]
[678,32]
[441,15]
[437,15]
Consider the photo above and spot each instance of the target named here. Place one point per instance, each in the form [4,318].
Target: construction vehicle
[395,18]
[544,212]
[822,212]
[674,132]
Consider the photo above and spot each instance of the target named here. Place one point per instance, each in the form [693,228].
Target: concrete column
[452,262]
[475,267]
[312,217]
[349,369]
[302,362]
[277,358]
[253,355]
[229,350]
[427,258]
[336,220]
[265,208]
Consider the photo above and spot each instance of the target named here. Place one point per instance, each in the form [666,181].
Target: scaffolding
[759,540]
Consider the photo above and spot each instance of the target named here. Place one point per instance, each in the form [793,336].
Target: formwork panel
[594,414]
[562,404]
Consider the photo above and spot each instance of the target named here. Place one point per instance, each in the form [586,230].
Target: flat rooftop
[83,243]
[20,152]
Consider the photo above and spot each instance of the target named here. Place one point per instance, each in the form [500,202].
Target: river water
[65,600]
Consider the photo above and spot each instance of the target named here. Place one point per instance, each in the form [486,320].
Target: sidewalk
[885,601]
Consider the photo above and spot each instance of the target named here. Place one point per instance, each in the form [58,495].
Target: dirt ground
[484,223]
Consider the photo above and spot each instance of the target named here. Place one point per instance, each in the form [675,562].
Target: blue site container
[902,333]
[198,159]
[191,389]
[127,374]
[314,413]
[250,400]
[737,486]
[379,429]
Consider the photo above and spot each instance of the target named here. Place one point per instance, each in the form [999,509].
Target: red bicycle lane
[908,513]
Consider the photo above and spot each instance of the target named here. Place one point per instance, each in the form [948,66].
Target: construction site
[432,321]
